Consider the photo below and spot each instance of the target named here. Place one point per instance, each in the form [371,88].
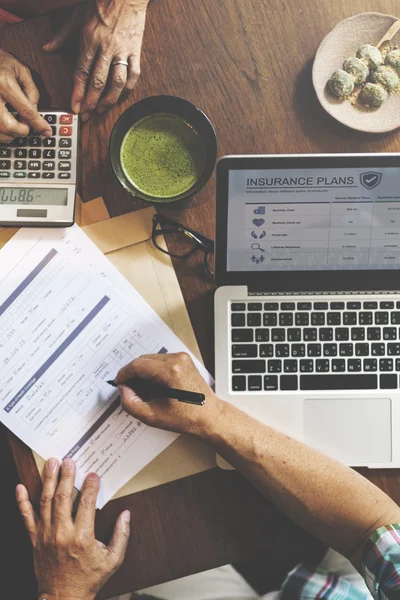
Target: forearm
[328,499]
[111,9]
[61,596]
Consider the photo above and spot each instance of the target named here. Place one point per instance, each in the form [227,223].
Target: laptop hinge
[322,293]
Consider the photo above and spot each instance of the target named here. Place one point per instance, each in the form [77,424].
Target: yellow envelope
[126,241]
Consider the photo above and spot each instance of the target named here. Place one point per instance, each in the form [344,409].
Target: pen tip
[111,382]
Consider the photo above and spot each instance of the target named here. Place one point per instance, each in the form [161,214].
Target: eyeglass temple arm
[208,242]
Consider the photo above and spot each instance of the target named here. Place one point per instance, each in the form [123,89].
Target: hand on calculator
[18,90]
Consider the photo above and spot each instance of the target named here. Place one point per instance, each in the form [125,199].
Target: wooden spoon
[391,32]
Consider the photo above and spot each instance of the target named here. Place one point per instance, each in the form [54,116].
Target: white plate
[342,42]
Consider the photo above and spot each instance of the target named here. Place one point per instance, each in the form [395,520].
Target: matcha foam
[162,155]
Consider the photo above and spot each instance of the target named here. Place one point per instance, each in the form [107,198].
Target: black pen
[148,390]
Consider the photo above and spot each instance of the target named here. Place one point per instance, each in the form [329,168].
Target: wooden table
[248,65]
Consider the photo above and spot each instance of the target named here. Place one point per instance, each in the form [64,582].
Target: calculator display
[34,196]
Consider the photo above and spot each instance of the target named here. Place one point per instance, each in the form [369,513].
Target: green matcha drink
[162,155]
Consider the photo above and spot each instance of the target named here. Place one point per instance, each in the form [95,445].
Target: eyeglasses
[185,241]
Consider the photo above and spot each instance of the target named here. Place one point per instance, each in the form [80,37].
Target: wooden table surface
[248,65]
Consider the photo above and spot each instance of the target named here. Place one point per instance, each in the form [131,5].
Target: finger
[135,406]
[10,126]
[97,83]
[116,84]
[81,77]
[49,487]
[63,496]
[5,139]
[86,512]
[145,367]
[120,538]
[27,111]
[66,31]
[133,71]
[26,509]
[28,85]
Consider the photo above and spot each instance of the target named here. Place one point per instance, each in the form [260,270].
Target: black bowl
[163,104]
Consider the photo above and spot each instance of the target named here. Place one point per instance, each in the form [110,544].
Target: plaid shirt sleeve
[311,583]
[380,568]
[306,583]
[381,563]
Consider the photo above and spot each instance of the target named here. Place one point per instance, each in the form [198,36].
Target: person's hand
[112,30]
[177,371]
[69,562]
[18,90]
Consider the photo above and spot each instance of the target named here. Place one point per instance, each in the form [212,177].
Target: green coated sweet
[370,55]
[162,155]
[393,59]
[387,77]
[373,95]
[357,69]
[341,83]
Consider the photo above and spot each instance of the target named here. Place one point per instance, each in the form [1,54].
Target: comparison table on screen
[323,233]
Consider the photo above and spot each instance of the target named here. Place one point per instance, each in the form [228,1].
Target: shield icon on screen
[370,179]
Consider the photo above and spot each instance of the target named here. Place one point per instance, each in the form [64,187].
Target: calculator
[38,175]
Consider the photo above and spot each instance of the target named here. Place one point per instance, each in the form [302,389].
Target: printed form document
[68,322]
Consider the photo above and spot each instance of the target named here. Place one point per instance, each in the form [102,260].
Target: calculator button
[20,141]
[65,119]
[48,165]
[65,143]
[52,119]
[49,142]
[34,153]
[19,174]
[34,165]
[66,166]
[4,174]
[48,175]
[49,153]
[20,153]
[6,153]
[65,130]
[64,175]
[5,164]
[66,154]
[19,164]
[53,130]
[34,175]
[34,141]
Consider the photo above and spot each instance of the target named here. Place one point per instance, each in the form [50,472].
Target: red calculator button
[65,130]
[66,119]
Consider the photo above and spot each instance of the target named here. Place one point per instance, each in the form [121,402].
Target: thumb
[133,404]
[120,538]
[64,33]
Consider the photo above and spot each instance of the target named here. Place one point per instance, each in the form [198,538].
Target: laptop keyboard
[334,345]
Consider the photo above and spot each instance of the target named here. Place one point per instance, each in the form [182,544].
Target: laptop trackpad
[356,431]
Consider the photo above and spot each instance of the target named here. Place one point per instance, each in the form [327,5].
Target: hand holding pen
[148,391]
[157,375]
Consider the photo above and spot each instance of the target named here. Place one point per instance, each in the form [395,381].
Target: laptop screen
[314,219]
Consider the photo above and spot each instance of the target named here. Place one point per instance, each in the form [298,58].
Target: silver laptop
[307,310]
